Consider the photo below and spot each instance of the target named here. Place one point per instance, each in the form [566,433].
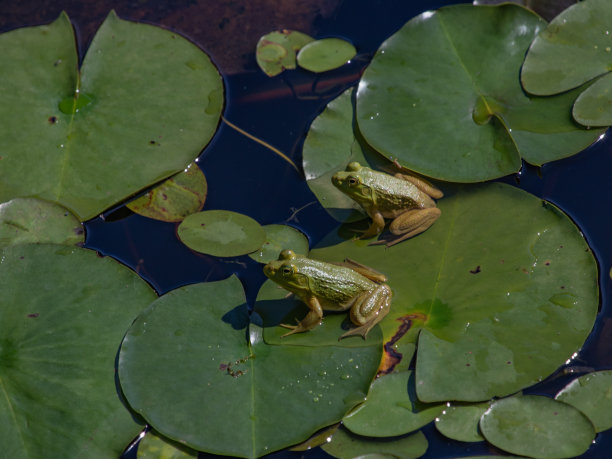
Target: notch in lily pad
[278,238]
[221,233]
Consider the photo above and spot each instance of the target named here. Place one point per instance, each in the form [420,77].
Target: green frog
[408,200]
[332,287]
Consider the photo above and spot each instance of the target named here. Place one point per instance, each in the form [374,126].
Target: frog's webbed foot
[312,319]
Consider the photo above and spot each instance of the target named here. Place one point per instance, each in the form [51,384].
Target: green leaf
[275,51]
[186,360]
[181,195]
[154,446]
[325,54]
[391,408]
[221,233]
[489,306]
[537,426]
[449,104]
[63,312]
[345,445]
[278,238]
[144,104]
[27,220]
[592,107]
[460,421]
[591,394]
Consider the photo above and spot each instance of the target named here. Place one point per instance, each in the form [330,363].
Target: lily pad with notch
[215,364]
[278,238]
[60,120]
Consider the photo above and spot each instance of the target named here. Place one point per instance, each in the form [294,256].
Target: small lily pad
[154,446]
[537,426]
[325,54]
[345,445]
[391,408]
[278,238]
[460,422]
[275,51]
[27,220]
[181,195]
[591,394]
[221,233]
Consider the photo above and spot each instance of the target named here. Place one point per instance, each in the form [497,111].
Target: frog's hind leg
[411,223]
[422,185]
[369,309]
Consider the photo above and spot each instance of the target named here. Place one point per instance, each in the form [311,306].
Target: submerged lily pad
[181,195]
[449,104]
[278,238]
[93,137]
[192,357]
[345,445]
[276,50]
[591,394]
[154,446]
[325,54]
[63,313]
[221,233]
[27,220]
[495,311]
[537,426]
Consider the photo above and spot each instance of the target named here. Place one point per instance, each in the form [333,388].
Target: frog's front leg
[312,319]
[377,225]
[368,309]
[412,222]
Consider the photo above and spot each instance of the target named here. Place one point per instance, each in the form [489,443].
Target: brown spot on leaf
[33,315]
[476,270]
[52,119]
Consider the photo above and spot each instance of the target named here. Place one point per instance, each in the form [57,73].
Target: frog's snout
[268,270]
[336,179]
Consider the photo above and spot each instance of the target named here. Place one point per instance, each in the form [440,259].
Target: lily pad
[592,107]
[181,195]
[460,422]
[591,394]
[391,408]
[325,54]
[489,306]
[345,445]
[215,365]
[221,233]
[278,238]
[63,313]
[449,104]
[27,220]
[93,137]
[154,446]
[275,51]
[537,426]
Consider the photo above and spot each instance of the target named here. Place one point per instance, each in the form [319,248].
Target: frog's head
[351,182]
[285,271]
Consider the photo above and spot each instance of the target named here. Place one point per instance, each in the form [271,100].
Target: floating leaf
[221,233]
[591,394]
[186,360]
[391,409]
[275,51]
[143,105]
[537,426]
[494,311]
[181,195]
[278,238]
[325,54]
[27,220]
[449,104]
[592,107]
[153,446]
[460,422]
[63,312]
[346,445]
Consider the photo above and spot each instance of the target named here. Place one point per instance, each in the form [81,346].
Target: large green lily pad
[63,313]
[576,47]
[192,356]
[143,105]
[449,104]
[500,291]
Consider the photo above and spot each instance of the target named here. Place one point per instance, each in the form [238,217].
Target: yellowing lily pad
[181,195]
[28,220]
[143,105]
[325,54]
[449,104]
[275,51]
[221,233]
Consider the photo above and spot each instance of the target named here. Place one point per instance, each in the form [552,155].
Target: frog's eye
[352,181]
[287,270]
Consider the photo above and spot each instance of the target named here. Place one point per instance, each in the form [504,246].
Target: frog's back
[395,194]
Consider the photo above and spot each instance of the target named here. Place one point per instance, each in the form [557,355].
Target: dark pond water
[245,177]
